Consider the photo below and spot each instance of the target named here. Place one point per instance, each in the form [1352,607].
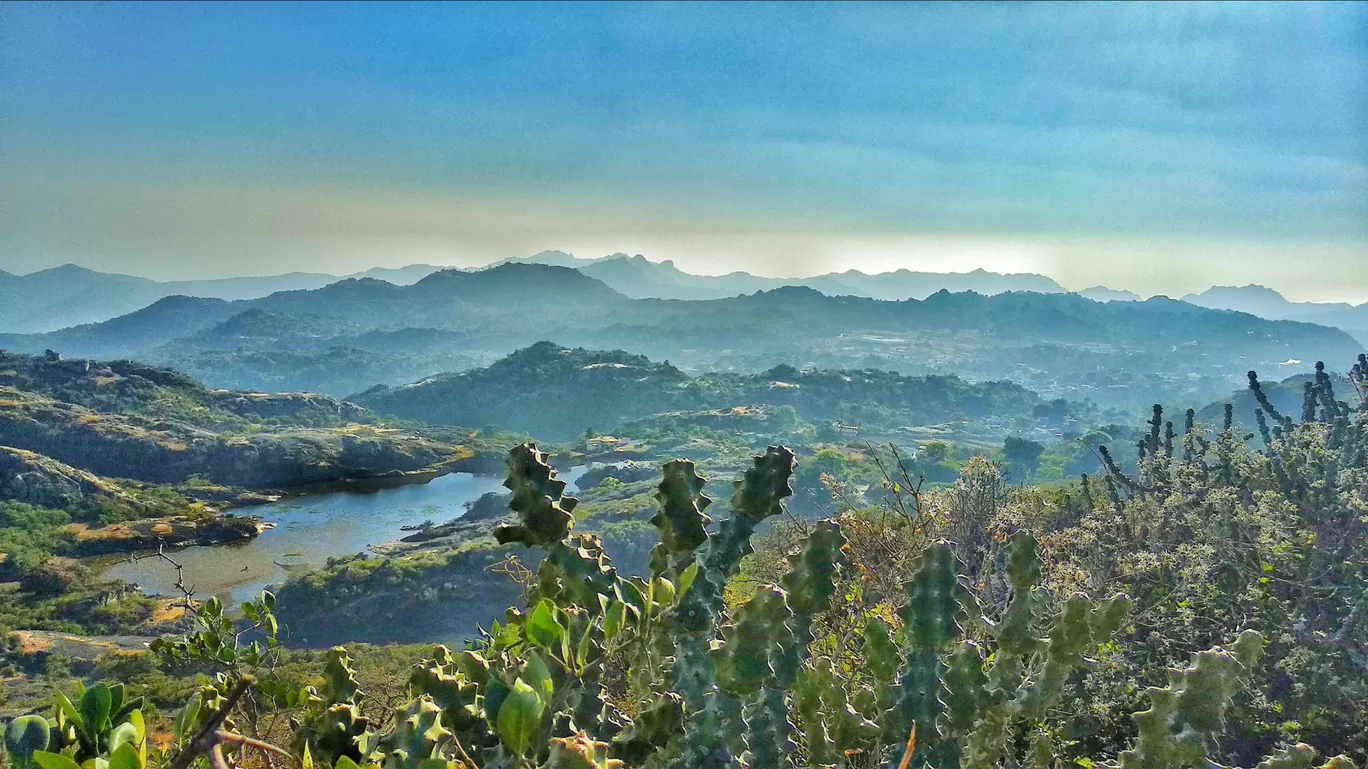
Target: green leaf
[344,762]
[136,719]
[538,676]
[686,580]
[96,705]
[187,718]
[116,699]
[495,694]
[125,757]
[46,760]
[306,761]
[68,710]
[543,627]
[519,718]
[123,734]
[25,735]
[613,620]
[662,592]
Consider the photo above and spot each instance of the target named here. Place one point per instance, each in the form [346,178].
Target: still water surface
[308,531]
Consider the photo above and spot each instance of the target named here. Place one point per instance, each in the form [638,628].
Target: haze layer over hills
[69,295]
[359,332]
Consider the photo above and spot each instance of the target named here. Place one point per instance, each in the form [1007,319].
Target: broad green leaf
[543,627]
[46,760]
[582,651]
[344,762]
[123,734]
[116,699]
[96,707]
[125,757]
[519,718]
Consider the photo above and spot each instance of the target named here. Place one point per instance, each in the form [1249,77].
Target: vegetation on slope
[980,625]
[558,393]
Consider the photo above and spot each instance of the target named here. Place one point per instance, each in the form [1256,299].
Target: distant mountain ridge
[358,332]
[69,295]
[1267,303]
[639,278]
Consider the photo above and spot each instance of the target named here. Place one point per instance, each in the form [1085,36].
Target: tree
[1022,456]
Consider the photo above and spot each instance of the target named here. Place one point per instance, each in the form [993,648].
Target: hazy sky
[1160,148]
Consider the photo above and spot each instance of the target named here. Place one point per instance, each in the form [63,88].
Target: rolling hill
[553,392]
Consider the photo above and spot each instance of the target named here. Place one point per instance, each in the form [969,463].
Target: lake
[309,530]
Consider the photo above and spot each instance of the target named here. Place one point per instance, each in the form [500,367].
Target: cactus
[1184,718]
[714,736]
[418,736]
[544,513]
[932,622]
[680,520]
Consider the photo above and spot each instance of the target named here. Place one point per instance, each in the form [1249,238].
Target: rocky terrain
[80,420]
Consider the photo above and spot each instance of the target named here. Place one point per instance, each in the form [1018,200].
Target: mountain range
[359,332]
[1267,303]
[70,295]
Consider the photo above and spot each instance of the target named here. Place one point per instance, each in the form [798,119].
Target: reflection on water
[308,531]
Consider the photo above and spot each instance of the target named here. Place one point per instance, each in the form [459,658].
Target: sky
[1160,148]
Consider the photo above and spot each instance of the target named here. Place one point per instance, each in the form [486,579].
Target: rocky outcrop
[173,532]
[296,407]
[38,480]
[627,472]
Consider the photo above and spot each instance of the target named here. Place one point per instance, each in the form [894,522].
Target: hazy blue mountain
[1267,303]
[1058,344]
[129,335]
[67,296]
[70,295]
[906,284]
[1104,294]
[399,276]
[640,278]
[552,258]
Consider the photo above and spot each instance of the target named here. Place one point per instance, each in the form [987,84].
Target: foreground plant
[605,670]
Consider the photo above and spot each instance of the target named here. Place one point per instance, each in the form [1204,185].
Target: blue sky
[1160,148]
